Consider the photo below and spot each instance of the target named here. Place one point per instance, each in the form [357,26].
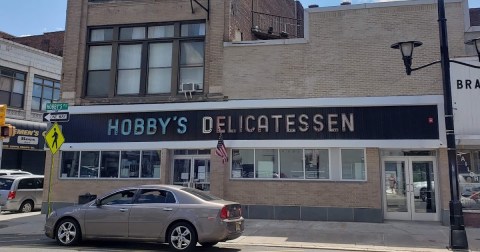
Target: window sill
[151,99]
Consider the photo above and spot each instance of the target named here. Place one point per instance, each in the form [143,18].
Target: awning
[28,135]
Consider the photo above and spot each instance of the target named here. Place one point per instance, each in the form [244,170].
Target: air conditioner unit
[188,87]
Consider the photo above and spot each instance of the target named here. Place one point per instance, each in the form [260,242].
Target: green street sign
[57,106]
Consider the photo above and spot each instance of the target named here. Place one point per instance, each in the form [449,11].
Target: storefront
[25,150]
[309,159]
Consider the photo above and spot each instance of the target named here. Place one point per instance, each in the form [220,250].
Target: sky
[49,15]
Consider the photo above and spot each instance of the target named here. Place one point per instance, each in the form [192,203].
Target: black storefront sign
[28,135]
[362,123]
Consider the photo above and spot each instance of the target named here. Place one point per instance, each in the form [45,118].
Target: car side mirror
[98,202]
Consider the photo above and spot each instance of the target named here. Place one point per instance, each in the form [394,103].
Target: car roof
[21,176]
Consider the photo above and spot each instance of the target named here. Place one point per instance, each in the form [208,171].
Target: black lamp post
[458,235]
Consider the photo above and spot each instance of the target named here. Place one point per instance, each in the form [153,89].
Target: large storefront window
[353,164]
[468,165]
[111,164]
[280,163]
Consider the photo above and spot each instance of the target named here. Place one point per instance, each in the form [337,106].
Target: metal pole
[458,235]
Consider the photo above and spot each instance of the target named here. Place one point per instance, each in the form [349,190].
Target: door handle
[123,210]
[167,209]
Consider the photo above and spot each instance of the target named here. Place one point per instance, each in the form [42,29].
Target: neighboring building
[323,125]
[29,79]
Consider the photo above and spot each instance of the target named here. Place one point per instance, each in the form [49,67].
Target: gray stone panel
[314,213]
[287,212]
[261,212]
[340,214]
[368,215]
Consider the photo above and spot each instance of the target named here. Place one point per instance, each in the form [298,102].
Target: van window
[39,183]
[5,184]
[27,183]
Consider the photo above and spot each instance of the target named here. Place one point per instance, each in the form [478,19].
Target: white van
[22,193]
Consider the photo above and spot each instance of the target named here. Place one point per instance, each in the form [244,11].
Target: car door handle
[123,209]
[167,209]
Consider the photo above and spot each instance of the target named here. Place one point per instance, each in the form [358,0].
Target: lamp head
[406,48]
[476,43]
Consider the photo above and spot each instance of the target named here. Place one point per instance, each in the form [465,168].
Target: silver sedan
[179,216]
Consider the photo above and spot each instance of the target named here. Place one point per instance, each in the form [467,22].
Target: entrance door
[192,172]
[409,188]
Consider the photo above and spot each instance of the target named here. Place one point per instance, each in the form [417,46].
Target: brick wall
[51,42]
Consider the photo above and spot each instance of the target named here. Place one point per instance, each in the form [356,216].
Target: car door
[151,212]
[110,218]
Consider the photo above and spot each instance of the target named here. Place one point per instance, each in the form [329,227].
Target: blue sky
[49,15]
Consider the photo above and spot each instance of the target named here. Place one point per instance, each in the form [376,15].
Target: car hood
[70,210]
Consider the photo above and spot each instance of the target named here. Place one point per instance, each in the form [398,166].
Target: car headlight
[52,214]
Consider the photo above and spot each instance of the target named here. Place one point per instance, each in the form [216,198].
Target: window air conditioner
[188,87]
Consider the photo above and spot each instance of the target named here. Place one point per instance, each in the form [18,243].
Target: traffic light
[7,131]
[3,114]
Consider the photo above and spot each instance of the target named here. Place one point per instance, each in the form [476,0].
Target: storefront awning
[28,135]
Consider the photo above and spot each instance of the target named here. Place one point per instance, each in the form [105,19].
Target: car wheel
[26,207]
[67,232]
[208,244]
[423,195]
[182,237]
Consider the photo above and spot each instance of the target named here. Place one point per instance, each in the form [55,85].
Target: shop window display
[468,166]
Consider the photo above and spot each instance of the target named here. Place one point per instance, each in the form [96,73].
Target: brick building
[319,125]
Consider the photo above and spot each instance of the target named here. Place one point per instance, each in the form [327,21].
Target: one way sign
[56,117]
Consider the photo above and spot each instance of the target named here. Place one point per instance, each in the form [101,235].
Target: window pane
[160,55]
[266,163]
[192,75]
[242,163]
[89,164]
[17,100]
[101,35]
[18,86]
[37,90]
[159,80]
[129,167]
[5,84]
[56,94]
[48,83]
[128,82]
[7,72]
[132,33]
[189,30]
[4,97]
[19,76]
[316,164]
[109,164]
[44,104]
[36,103]
[47,93]
[291,164]
[353,164]
[70,160]
[151,164]
[100,57]
[130,56]
[192,53]
[57,85]
[165,31]
[98,83]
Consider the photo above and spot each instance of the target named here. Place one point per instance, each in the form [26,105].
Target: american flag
[221,151]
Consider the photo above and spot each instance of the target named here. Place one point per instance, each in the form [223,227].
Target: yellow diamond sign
[54,138]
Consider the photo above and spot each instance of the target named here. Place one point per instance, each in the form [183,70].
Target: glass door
[409,188]
[192,172]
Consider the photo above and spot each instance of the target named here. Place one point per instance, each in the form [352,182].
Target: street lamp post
[458,235]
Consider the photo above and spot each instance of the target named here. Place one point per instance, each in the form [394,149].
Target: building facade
[319,126]
[29,79]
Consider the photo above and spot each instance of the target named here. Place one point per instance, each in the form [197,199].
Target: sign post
[54,139]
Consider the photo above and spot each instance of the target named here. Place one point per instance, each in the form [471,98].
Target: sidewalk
[351,236]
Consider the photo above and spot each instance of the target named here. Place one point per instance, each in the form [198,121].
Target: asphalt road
[40,243]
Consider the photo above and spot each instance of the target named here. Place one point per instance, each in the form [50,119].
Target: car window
[148,196]
[19,173]
[201,194]
[27,183]
[122,197]
[5,184]
[2,174]
[39,183]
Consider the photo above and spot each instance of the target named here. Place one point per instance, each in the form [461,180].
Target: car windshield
[5,183]
[201,194]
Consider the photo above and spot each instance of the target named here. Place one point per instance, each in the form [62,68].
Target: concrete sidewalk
[350,236]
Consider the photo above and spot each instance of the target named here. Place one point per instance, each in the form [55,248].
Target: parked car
[4,172]
[176,215]
[23,193]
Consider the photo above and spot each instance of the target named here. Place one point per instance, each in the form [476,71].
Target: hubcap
[66,233]
[27,208]
[181,237]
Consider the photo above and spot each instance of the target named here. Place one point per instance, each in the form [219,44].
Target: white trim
[271,103]
[211,144]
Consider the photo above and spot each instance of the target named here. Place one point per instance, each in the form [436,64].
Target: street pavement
[350,236]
